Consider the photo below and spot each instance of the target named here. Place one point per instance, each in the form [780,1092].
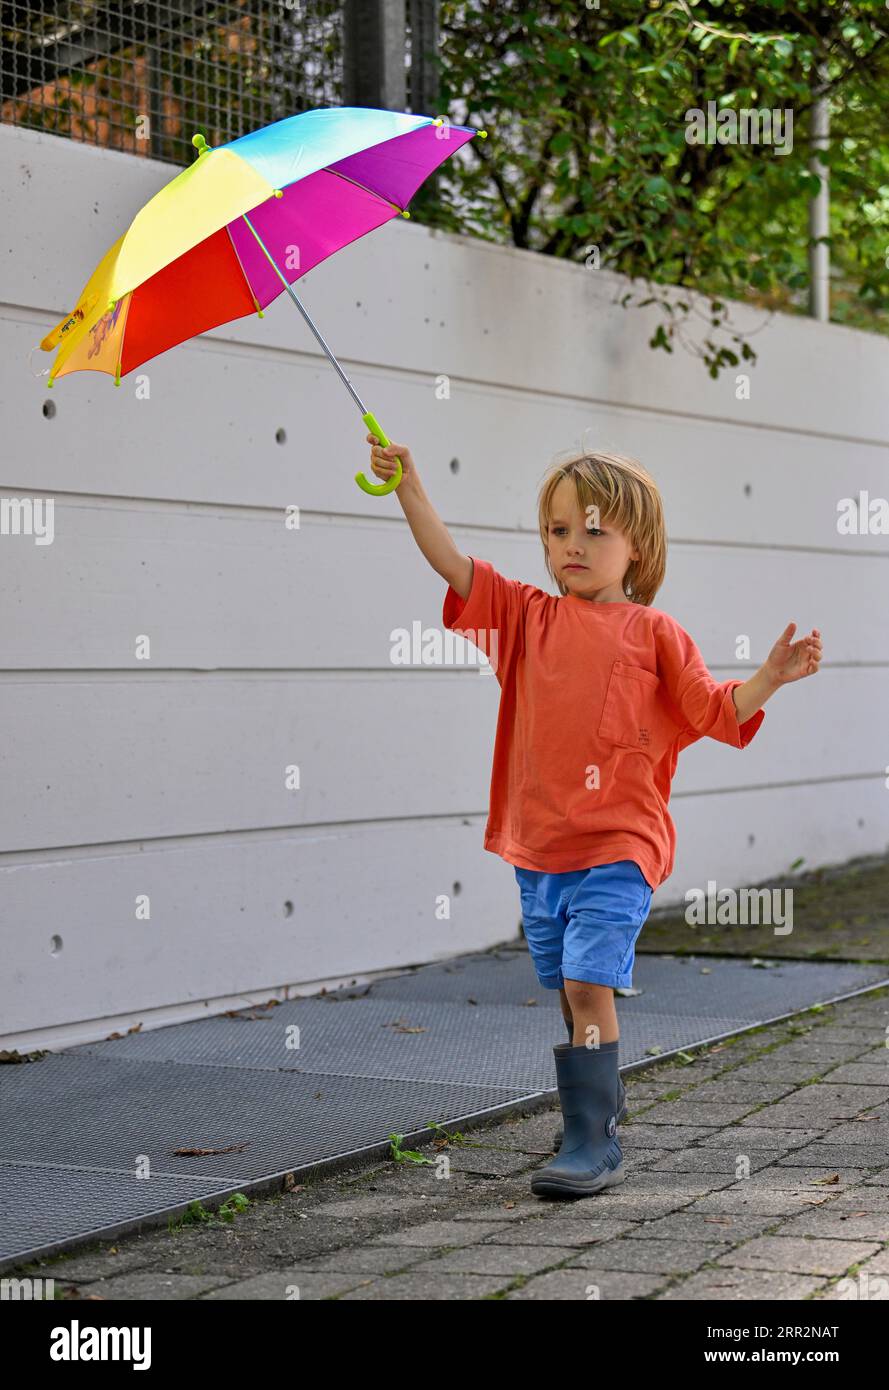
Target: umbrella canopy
[191,259]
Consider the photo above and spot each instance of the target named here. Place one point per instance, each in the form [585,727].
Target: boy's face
[590,561]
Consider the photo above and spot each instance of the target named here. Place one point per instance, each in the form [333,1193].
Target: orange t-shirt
[596,701]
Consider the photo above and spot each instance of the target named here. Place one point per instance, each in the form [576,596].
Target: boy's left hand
[790,661]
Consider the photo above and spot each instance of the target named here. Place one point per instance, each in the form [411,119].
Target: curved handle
[378,489]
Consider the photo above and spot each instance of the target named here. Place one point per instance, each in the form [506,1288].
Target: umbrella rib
[243,271]
[123,332]
[363,188]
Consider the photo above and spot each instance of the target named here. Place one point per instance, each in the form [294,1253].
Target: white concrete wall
[271,647]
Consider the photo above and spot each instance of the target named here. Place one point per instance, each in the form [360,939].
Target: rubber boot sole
[577,1187]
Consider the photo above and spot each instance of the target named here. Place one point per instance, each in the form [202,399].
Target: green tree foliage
[588,157]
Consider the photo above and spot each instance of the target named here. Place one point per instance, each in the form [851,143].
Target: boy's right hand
[383,461]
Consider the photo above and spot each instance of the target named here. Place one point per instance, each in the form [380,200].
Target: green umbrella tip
[200,143]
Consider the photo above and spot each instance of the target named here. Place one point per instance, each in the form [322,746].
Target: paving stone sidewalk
[760,1170]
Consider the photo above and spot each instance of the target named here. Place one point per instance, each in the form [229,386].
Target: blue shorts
[583,925]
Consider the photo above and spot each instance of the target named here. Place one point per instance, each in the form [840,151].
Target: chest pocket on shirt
[632,715]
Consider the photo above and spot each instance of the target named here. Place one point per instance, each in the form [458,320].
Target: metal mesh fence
[144,76]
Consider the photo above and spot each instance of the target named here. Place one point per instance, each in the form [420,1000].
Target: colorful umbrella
[192,258]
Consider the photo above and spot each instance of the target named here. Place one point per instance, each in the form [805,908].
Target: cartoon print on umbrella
[103,329]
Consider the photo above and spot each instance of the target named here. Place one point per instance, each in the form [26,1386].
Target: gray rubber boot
[621,1093]
[590,1158]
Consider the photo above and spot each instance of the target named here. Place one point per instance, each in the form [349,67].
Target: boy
[599,693]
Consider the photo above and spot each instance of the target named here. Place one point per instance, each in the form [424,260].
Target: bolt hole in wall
[49,409]
[288,909]
[456,888]
[455,465]
[55,945]
[281,436]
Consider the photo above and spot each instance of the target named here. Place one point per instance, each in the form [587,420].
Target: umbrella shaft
[289,288]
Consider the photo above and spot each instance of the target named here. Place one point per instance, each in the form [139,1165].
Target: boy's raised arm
[430,532]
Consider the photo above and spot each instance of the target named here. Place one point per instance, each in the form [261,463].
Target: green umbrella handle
[378,489]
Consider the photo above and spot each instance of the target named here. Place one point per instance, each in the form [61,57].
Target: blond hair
[626,496]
